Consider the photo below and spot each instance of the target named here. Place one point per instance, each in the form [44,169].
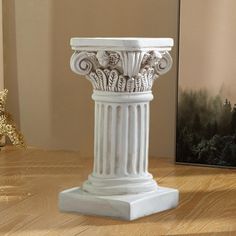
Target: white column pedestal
[120,184]
[126,207]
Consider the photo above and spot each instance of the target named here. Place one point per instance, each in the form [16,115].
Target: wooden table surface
[31,180]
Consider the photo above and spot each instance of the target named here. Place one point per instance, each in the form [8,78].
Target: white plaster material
[121,44]
[126,207]
[122,72]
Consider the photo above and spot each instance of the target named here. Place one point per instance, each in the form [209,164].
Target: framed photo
[206,117]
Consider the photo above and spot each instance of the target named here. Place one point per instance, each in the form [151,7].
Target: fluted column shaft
[121,140]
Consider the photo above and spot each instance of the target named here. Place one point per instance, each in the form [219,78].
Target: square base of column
[127,207]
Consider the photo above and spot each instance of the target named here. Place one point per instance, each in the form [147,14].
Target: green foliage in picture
[206,129]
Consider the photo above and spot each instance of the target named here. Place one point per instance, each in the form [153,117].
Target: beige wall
[53,106]
[207,48]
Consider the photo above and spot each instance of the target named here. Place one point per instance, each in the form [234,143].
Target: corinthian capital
[121,68]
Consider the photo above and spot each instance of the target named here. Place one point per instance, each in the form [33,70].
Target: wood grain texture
[31,180]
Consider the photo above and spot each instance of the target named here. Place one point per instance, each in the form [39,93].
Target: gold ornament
[7,126]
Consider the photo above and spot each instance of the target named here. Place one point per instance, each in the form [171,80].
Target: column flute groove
[113,138]
[105,138]
[146,137]
[97,157]
[135,141]
[130,139]
[118,139]
[142,136]
[109,121]
[138,139]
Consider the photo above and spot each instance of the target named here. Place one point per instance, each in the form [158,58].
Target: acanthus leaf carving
[107,72]
[144,79]
[121,83]
[138,83]
[120,71]
[112,80]
[102,79]
[94,80]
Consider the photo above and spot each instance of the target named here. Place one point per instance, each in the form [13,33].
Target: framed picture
[206,117]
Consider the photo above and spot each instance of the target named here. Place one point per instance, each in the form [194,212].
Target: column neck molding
[119,97]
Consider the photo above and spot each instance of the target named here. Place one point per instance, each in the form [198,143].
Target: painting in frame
[206,109]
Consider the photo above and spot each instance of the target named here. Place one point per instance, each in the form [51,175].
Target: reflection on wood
[31,180]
